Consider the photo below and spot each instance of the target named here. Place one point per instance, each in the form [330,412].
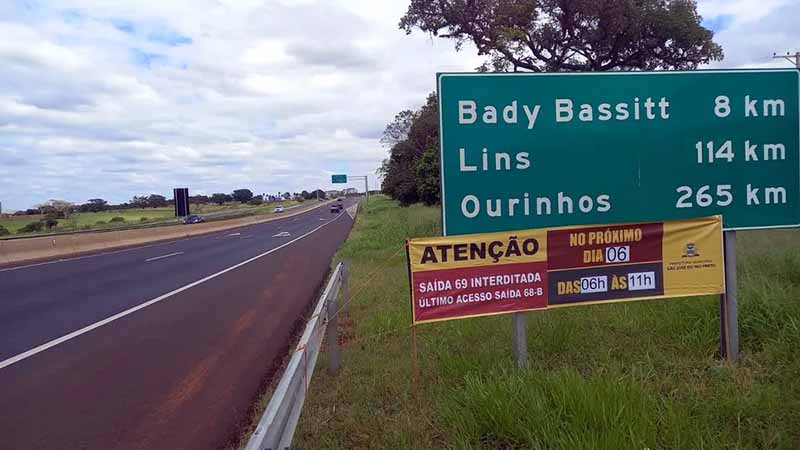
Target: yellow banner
[495,273]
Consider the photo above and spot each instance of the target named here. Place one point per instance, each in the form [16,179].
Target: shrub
[255,201]
[31,228]
[100,222]
[142,219]
[117,219]
[4,231]
[50,222]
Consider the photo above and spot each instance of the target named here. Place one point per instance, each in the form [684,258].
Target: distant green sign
[337,179]
[524,151]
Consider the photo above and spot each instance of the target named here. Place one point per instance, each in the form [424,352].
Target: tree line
[537,36]
[60,209]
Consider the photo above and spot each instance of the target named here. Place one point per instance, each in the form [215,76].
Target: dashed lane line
[163,256]
[67,337]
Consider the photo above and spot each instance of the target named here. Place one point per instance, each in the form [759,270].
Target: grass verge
[639,375]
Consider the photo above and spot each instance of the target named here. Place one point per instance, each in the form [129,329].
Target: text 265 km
[722,195]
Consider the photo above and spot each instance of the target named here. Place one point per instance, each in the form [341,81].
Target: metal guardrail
[276,428]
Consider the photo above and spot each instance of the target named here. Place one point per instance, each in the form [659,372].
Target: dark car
[336,208]
[194,218]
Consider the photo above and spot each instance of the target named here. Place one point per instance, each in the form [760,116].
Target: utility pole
[794,59]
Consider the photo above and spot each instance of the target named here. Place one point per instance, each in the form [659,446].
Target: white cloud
[109,98]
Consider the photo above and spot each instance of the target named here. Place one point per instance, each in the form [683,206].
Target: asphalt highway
[162,346]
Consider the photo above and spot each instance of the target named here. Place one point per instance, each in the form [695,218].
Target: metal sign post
[520,343]
[728,304]
[339,179]
[366,184]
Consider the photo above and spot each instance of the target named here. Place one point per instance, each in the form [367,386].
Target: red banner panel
[476,291]
[602,246]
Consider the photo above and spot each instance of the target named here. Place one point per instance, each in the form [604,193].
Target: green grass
[15,223]
[618,376]
[83,221]
[131,216]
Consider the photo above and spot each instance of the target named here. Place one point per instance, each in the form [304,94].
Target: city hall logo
[691,250]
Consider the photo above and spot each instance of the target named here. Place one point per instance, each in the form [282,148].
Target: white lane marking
[322,218]
[234,234]
[282,234]
[248,236]
[88,328]
[163,256]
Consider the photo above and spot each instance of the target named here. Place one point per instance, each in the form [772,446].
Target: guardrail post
[333,327]
[345,289]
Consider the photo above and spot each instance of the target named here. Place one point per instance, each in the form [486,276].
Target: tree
[256,200]
[57,209]
[94,205]
[428,177]
[397,130]
[319,193]
[242,195]
[571,35]
[305,195]
[219,198]
[156,201]
[138,201]
[400,171]
[199,199]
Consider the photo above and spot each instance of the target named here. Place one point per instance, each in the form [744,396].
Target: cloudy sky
[115,98]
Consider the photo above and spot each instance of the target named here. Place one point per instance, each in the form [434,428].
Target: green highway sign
[337,179]
[524,150]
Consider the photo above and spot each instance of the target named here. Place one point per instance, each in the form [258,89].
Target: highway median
[14,251]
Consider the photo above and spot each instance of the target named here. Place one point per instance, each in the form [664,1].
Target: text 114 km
[710,152]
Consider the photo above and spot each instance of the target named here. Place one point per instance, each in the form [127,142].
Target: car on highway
[336,208]
[194,218]
[278,209]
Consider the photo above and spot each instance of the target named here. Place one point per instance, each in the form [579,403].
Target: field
[101,220]
[643,375]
